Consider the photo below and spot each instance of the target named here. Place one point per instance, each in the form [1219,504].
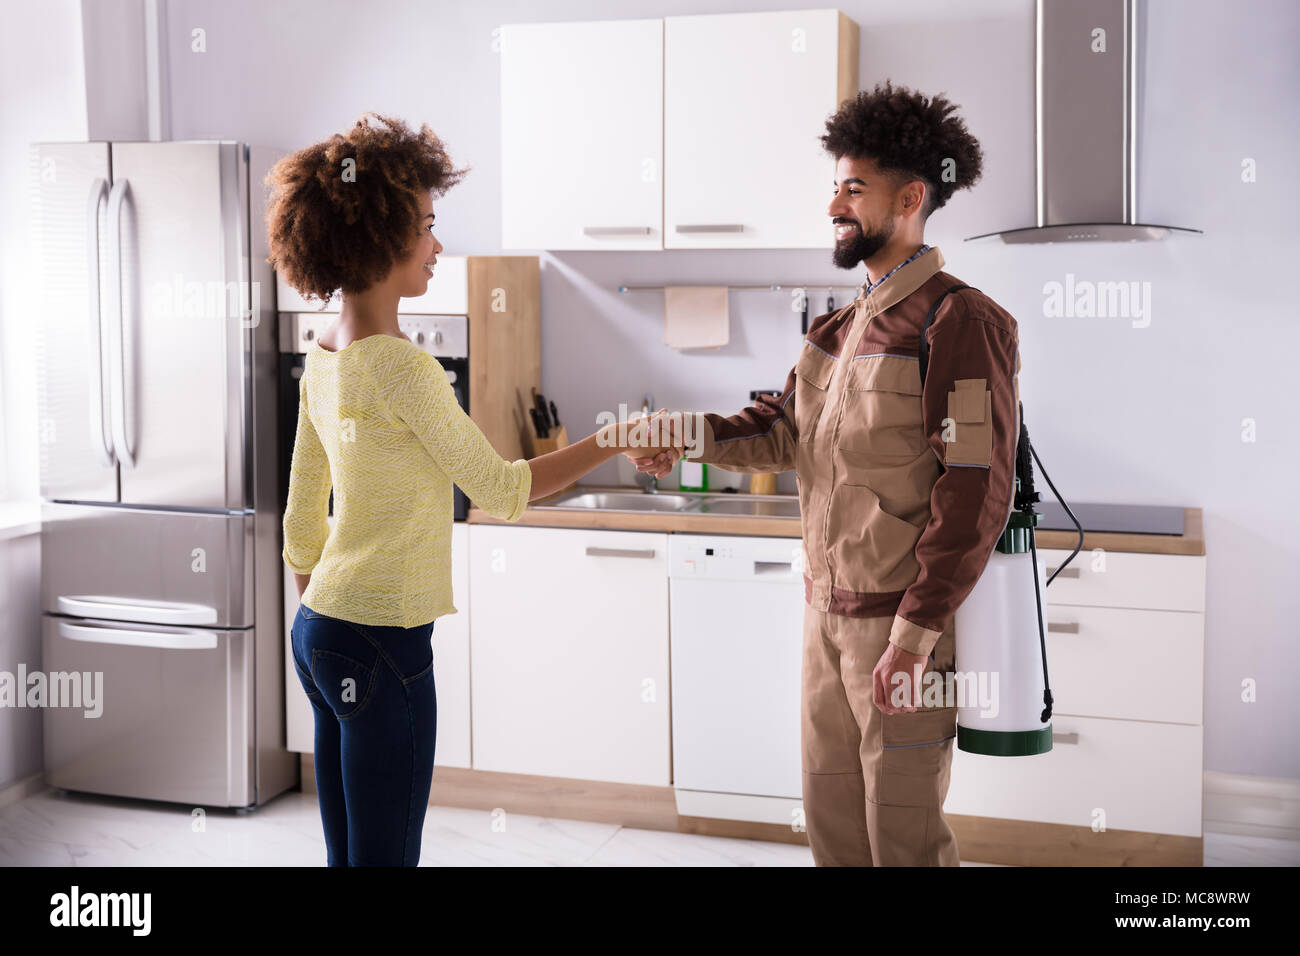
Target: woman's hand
[660,464]
[644,437]
[659,460]
[560,468]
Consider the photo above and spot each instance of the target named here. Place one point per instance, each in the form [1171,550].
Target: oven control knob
[419,338]
[437,337]
[308,334]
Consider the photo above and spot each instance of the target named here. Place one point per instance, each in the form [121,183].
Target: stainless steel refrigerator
[160,541]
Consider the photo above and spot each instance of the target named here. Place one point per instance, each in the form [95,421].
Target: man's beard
[850,253]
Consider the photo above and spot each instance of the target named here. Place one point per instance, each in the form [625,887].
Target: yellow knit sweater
[378,422]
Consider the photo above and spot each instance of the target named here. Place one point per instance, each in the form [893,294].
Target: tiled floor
[54,829]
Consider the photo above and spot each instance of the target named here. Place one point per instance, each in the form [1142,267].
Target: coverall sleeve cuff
[912,637]
[701,439]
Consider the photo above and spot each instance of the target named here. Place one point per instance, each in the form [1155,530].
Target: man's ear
[912,197]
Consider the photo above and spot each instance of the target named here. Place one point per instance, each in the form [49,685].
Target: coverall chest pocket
[882,408]
[812,378]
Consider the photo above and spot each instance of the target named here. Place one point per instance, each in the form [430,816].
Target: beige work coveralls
[903,497]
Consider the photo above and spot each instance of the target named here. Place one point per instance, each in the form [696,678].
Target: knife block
[557,439]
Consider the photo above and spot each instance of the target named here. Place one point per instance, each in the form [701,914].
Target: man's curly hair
[909,136]
[339,225]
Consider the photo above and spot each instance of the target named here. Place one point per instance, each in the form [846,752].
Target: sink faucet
[648,482]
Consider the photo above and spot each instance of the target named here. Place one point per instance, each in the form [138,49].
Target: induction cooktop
[1129,519]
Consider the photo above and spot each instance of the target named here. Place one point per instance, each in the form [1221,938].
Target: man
[903,492]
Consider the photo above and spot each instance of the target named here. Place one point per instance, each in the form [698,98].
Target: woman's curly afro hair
[909,136]
[342,211]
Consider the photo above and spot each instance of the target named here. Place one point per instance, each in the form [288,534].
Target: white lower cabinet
[1126,659]
[569,640]
[1111,774]
[451,661]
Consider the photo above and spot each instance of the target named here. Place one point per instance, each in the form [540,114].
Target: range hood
[1086,99]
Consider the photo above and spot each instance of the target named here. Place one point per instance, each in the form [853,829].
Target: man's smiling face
[861,212]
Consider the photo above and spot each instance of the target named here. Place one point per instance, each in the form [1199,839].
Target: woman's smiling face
[414,271]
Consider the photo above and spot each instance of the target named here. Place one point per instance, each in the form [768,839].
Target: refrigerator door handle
[186,641]
[148,612]
[98,427]
[116,197]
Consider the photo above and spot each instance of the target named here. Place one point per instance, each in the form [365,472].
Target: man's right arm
[760,439]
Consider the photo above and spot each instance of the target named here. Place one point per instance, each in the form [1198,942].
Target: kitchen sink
[623,501]
[757,506]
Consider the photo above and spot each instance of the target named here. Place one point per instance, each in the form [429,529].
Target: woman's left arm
[306,513]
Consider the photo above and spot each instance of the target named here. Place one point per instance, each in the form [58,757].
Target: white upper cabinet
[746,98]
[582,135]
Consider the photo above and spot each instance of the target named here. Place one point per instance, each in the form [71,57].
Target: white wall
[1119,414]
[42,97]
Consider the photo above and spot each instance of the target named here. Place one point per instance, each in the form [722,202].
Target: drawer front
[1156,582]
[174,711]
[147,565]
[1135,665]
[1141,776]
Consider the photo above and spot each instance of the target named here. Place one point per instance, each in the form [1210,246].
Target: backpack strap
[923,352]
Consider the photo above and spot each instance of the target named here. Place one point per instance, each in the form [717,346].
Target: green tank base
[1005,743]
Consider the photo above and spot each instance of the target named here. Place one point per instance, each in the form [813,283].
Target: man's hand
[659,461]
[660,426]
[895,660]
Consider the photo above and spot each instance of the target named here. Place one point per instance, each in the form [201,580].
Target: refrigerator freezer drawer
[147,566]
[175,712]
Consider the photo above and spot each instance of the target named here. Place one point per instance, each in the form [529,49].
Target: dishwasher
[736,623]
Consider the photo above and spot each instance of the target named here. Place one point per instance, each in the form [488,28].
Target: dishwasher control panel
[734,558]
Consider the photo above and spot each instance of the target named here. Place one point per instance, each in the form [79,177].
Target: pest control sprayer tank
[997,624]
[1000,641]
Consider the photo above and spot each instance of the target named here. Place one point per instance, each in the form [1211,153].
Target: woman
[378,424]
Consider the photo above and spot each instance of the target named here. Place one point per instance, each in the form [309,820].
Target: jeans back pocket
[345,683]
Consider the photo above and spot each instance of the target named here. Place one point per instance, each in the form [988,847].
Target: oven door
[458,375]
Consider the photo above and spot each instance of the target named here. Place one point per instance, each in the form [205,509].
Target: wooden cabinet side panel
[505,348]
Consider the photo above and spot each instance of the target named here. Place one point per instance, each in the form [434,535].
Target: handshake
[655,442]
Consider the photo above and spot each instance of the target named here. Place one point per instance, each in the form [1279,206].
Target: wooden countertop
[1192,541]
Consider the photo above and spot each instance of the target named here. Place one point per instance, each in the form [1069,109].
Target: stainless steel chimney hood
[1086,126]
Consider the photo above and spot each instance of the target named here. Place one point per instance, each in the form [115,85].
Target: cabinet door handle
[597,232]
[1070,738]
[1067,573]
[724,227]
[1060,627]
[595,552]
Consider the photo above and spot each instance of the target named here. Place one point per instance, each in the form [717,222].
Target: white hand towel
[695,316]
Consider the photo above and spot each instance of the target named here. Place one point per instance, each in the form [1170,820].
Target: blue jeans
[376,713]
